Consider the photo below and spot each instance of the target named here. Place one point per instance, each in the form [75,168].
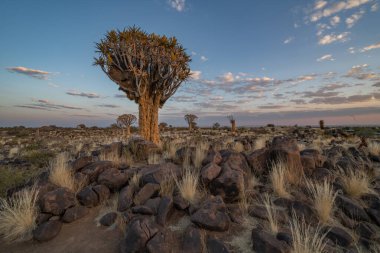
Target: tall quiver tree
[125,121]
[322,124]
[190,119]
[149,68]
[233,123]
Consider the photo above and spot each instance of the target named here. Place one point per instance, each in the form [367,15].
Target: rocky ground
[212,192]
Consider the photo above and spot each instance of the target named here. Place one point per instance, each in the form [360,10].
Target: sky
[281,62]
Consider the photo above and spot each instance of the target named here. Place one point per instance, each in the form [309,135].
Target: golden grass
[356,183]
[242,241]
[154,158]
[61,174]
[374,148]
[323,196]
[272,215]
[260,142]
[188,185]
[135,180]
[167,186]
[278,179]
[237,146]
[18,215]
[305,238]
[201,150]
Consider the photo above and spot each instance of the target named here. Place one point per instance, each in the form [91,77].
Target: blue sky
[282,62]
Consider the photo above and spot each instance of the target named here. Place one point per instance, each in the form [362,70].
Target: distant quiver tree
[125,121]
[190,119]
[149,68]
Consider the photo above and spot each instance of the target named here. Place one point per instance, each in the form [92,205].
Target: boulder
[258,160]
[138,233]
[286,149]
[42,217]
[81,162]
[212,156]
[339,236]
[88,197]
[265,242]
[108,219]
[230,184]
[112,151]
[142,148]
[153,204]
[57,201]
[351,208]
[145,210]
[159,172]
[74,213]
[215,246]
[212,215]
[102,191]
[164,210]
[47,230]
[162,242]
[113,178]
[93,170]
[125,200]
[146,192]
[192,240]
[210,172]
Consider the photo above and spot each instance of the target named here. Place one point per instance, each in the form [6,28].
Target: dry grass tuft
[18,215]
[356,183]
[305,238]
[201,150]
[154,158]
[62,175]
[374,148]
[272,215]
[261,142]
[188,185]
[135,180]
[237,146]
[323,197]
[167,186]
[278,179]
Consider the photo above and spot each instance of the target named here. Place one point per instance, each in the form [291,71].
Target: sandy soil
[81,236]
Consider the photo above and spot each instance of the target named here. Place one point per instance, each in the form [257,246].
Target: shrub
[356,183]
[272,215]
[18,215]
[278,180]
[188,185]
[62,175]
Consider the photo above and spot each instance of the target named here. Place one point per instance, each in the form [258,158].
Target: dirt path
[81,236]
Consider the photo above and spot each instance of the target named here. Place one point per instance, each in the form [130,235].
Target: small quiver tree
[190,119]
[322,124]
[233,123]
[125,121]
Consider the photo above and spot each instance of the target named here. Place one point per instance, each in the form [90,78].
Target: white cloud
[351,50]
[227,77]
[204,58]
[351,21]
[193,53]
[336,8]
[195,75]
[179,5]
[375,7]
[370,47]
[82,94]
[319,4]
[35,73]
[288,40]
[334,20]
[330,38]
[327,57]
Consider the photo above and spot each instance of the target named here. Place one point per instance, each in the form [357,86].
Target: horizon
[281,63]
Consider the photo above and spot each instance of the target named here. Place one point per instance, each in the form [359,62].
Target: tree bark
[148,118]
[233,126]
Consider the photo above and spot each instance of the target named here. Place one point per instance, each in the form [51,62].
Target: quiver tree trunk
[233,126]
[190,127]
[148,118]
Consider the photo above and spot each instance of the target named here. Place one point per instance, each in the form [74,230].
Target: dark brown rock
[286,149]
[210,172]
[339,236]
[351,208]
[213,156]
[158,173]
[153,204]
[180,203]
[81,162]
[146,192]
[367,230]
[162,242]
[102,191]
[138,233]
[125,198]
[113,178]
[88,197]
[57,201]
[94,169]
[142,210]
[192,240]
[164,210]
[258,161]
[216,246]
[265,242]
[108,219]
[212,215]
[74,213]
[47,230]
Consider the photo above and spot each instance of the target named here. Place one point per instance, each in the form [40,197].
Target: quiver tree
[149,68]
[233,123]
[322,124]
[190,119]
[162,126]
[125,121]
